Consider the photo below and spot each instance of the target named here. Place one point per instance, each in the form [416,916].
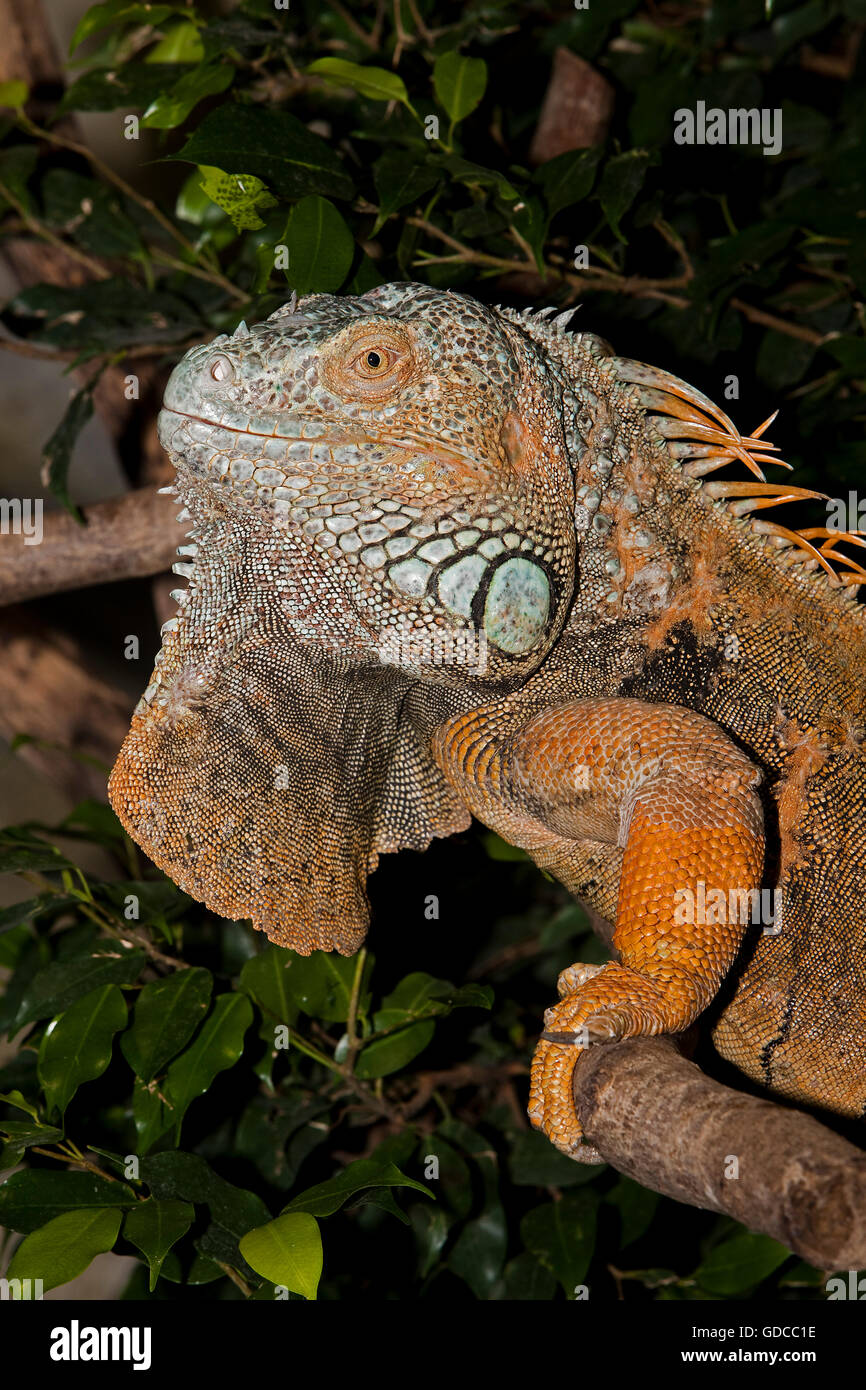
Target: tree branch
[125,538]
[657,1118]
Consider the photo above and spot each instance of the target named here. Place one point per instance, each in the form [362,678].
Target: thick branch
[656,1117]
[125,538]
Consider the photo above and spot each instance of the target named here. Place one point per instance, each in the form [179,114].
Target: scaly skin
[451,559]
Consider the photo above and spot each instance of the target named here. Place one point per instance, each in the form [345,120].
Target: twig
[107,173]
[38,229]
[198,272]
[77,1161]
[793,330]
[101,918]
[352,1020]
[370,40]
[607,280]
[585,280]
[235,1276]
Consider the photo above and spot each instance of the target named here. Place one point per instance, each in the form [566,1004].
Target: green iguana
[448,559]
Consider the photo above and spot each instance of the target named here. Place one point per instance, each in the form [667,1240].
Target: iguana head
[380,501]
[403,447]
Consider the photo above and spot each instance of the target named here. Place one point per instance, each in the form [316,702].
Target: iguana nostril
[221,369]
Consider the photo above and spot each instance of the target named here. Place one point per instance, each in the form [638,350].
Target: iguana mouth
[292,440]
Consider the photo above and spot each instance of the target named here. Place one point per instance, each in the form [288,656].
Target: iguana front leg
[668,787]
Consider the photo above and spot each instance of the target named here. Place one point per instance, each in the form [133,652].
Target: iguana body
[452,559]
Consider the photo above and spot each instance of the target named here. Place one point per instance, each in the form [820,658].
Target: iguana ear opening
[274,806]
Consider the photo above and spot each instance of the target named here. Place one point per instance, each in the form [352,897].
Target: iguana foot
[598,1002]
[667,788]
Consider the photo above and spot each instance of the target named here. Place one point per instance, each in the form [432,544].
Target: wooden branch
[125,538]
[657,1118]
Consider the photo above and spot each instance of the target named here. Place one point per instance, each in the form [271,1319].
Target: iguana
[450,559]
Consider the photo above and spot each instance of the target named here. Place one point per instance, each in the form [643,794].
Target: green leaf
[327,1197]
[57,453]
[118,12]
[400,179]
[479,1251]
[189,1177]
[621,182]
[534,1161]
[385,1055]
[52,990]
[287,1251]
[153,1227]
[567,178]
[21,1134]
[171,108]
[20,1103]
[92,214]
[204,1271]
[561,1235]
[31,1197]
[105,314]
[64,1247]
[151,1116]
[14,94]
[21,850]
[17,163]
[737,1265]
[459,84]
[320,246]
[377,84]
[531,221]
[526,1280]
[167,1014]
[241,196]
[193,204]
[420,994]
[464,171]
[478,1146]
[636,1205]
[265,978]
[131,86]
[271,144]
[182,44]
[430,1227]
[217,1046]
[76,1046]
[94,820]
[321,985]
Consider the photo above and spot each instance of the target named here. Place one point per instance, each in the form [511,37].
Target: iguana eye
[368,362]
[221,369]
[375,362]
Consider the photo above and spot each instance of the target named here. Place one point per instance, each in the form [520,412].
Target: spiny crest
[701,438]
